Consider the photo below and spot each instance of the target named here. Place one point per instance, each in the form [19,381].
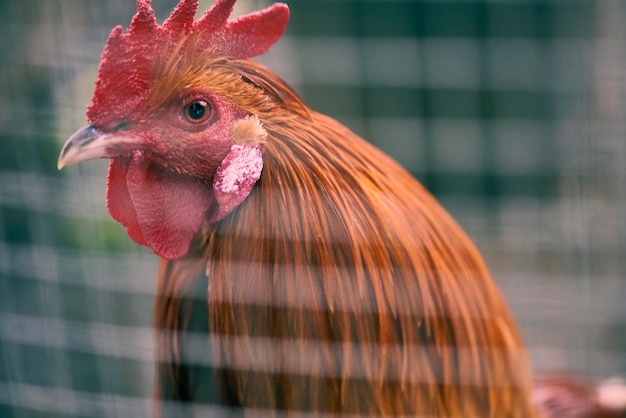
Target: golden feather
[340,285]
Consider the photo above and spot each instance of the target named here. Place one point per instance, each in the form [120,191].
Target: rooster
[332,281]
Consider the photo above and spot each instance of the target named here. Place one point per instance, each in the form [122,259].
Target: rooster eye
[197,111]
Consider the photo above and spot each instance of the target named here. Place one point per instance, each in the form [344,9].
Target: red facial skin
[162,192]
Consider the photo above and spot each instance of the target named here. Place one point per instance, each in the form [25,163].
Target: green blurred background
[510,111]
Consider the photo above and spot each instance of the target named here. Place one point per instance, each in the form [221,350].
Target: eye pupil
[197,111]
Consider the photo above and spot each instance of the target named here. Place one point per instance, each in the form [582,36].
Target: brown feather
[341,285]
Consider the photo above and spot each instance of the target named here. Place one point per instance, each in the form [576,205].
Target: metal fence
[510,111]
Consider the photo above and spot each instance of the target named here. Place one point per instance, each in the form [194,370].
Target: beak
[88,143]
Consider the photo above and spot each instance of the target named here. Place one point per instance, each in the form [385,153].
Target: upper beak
[88,143]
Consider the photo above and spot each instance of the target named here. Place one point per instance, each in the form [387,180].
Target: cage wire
[510,111]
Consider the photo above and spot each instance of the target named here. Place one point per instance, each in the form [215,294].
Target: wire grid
[510,111]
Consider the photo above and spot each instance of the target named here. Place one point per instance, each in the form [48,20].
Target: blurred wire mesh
[510,111]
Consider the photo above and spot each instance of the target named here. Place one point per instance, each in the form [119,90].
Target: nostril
[120,127]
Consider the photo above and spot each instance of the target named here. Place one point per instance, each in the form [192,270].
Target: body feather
[340,285]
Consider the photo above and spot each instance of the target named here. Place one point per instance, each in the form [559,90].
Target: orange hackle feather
[339,285]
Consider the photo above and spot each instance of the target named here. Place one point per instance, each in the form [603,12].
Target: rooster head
[181,129]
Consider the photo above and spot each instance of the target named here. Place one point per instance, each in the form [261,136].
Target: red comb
[127,59]
[243,37]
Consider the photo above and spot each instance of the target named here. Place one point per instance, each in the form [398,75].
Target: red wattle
[168,209]
[119,202]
